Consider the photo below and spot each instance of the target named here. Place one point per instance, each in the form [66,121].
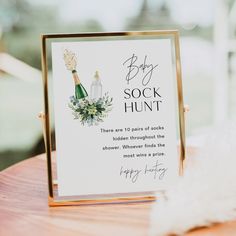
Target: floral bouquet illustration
[90,110]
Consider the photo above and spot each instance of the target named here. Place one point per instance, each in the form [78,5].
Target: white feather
[206,194]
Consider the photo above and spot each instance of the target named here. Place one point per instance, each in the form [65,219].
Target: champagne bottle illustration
[71,63]
[96,87]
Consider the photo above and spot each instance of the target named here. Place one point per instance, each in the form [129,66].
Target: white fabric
[206,193]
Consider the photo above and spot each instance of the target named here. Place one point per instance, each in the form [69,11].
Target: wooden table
[24,210]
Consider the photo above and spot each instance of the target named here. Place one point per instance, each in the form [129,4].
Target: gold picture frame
[46,116]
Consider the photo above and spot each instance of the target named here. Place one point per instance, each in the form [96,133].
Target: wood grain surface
[24,210]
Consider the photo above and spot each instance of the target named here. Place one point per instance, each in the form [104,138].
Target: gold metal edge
[181,106]
[115,33]
[54,203]
[46,114]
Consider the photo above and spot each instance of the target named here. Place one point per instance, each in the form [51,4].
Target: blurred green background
[208,46]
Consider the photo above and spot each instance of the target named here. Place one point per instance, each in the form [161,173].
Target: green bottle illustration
[71,63]
[80,91]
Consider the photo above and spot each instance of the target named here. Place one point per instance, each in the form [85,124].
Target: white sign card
[116,110]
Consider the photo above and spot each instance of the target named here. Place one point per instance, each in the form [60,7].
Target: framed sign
[115,103]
